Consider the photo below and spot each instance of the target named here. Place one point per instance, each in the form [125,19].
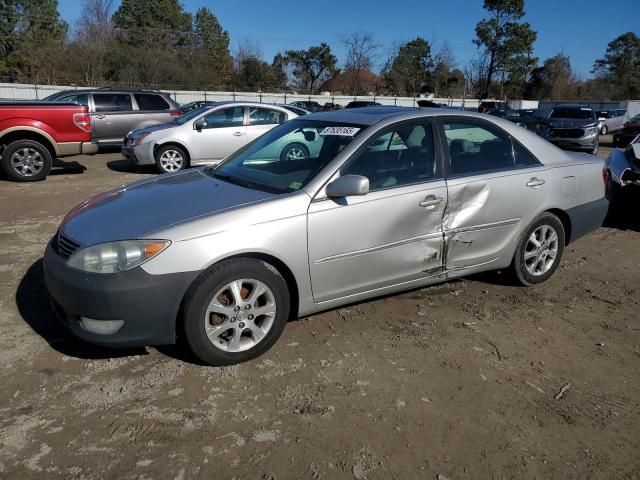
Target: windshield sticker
[295,185]
[342,131]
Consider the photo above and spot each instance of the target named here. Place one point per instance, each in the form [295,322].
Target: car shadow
[623,219]
[125,166]
[32,300]
[66,167]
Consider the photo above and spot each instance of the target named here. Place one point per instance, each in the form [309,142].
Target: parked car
[394,199]
[361,104]
[571,127]
[307,105]
[203,136]
[298,111]
[329,106]
[115,112]
[610,121]
[489,105]
[187,107]
[622,176]
[630,130]
[515,116]
[33,134]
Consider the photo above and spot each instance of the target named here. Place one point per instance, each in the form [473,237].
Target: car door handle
[100,116]
[238,134]
[535,182]
[431,201]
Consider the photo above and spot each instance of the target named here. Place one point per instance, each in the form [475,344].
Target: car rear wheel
[604,130]
[235,311]
[294,151]
[171,158]
[539,251]
[26,161]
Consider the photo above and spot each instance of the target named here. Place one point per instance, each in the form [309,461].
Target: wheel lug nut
[236,308]
[247,306]
[250,317]
[233,319]
[241,325]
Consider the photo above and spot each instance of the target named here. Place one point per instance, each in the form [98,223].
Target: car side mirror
[347,186]
[199,124]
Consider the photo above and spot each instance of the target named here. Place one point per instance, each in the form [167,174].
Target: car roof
[363,116]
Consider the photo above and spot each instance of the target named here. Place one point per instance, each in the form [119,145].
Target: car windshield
[187,117]
[578,113]
[287,157]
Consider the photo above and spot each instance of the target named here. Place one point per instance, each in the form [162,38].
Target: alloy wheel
[541,250]
[240,315]
[171,160]
[27,162]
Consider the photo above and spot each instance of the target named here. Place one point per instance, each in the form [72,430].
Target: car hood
[569,123]
[133,210]
[154,128]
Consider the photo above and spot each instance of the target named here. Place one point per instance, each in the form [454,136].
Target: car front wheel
[604,130]
[539,251]
[171,158]
[235,311]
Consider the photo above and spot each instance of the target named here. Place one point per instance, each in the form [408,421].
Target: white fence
[23,91]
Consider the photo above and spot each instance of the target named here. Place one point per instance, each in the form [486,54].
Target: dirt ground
[459,379]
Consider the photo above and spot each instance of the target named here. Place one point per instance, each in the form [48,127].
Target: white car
[207,136]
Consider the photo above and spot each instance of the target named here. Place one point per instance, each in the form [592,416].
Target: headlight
[138,140]
[116,257]
[591,130]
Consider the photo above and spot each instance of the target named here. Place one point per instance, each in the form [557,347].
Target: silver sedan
[391,199]
[206,135]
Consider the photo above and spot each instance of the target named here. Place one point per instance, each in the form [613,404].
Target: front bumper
[588,142]
[148,304]
[139,154]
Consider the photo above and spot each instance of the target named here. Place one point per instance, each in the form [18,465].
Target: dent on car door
[495,188]
[389,236]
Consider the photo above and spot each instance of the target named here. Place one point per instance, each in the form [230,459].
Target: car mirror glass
[199,124]
[309,136]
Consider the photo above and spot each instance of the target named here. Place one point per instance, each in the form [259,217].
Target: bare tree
[93,32]
[361,53]
[444,62]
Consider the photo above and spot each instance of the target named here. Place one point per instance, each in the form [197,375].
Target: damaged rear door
[391,235]
[495,188]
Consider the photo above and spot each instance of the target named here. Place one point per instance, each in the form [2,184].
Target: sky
[578,28]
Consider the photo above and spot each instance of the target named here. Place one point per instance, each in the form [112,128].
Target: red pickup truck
[33,134]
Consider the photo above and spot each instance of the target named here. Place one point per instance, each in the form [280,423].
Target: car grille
[567,132]
[65,246]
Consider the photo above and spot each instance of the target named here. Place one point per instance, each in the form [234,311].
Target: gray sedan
[391,199]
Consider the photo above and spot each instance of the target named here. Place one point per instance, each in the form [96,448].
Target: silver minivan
[115,112]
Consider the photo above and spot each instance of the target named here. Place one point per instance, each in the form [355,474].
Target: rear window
[112,102]
[149,101]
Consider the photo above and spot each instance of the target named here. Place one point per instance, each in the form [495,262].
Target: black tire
[304,151]
[212,281]
[33,149]
[603,130]
[178,152]
[518,266]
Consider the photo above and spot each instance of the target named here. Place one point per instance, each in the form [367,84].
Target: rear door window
[476,148]
[149,101]
[112,102]
[266,116]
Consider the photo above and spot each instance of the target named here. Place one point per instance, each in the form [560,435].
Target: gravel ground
[469,379]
